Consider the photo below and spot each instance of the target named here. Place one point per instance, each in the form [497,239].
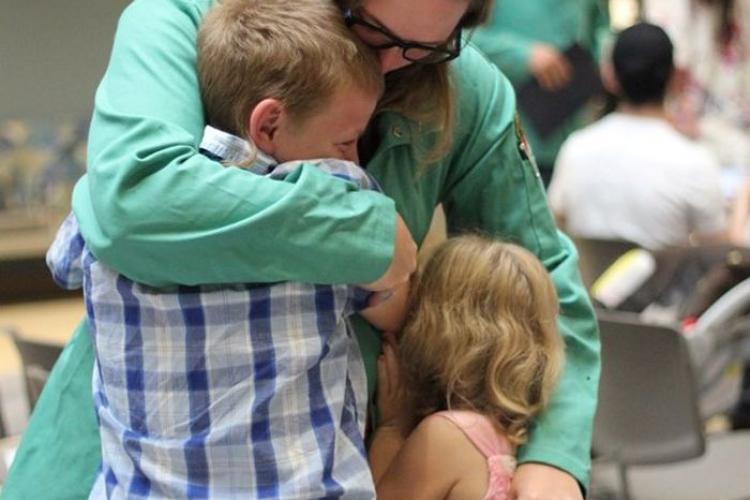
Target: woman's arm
[598,29]
[494,186]
[388,309]
[159,212]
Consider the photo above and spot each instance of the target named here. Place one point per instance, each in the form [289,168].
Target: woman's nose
[391,59]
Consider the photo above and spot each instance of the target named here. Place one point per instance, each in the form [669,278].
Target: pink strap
[480,431]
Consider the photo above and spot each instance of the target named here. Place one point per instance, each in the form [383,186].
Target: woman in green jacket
[526,40]
[159,212]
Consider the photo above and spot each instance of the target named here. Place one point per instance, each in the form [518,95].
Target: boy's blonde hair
[481,334]
[297,51]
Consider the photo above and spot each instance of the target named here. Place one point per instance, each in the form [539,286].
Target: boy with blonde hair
[250,390]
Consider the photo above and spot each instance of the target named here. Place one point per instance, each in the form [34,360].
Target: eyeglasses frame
[352,19]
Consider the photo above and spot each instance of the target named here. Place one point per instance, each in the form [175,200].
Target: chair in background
[37,360]
[8,447]
[649,439]
[596,255]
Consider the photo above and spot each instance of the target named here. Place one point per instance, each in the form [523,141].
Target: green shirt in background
[516,25]
[160,213]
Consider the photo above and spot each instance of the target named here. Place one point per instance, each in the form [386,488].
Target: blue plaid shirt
[247,390]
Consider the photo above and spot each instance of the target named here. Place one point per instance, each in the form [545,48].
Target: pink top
[480,430]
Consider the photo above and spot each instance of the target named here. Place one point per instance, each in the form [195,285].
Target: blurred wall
[52,56]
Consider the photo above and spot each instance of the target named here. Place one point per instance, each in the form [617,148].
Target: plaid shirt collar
[229,148]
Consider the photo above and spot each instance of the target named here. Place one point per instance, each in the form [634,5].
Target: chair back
[596,255]
[648,402]
[37,360]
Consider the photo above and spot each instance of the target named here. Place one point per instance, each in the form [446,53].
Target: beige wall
[52,55]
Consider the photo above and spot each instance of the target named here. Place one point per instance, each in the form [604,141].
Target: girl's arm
[160,213]
[428,464]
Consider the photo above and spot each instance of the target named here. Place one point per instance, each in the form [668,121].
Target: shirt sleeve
[599,32]
[65,255]
[509,51]
[556,193]
[494,187]
[153,208]
[708,210]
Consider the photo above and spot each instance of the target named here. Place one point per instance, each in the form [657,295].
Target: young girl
[477,360]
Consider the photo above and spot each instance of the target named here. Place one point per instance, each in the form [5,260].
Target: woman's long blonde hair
[424,93]
[481,334]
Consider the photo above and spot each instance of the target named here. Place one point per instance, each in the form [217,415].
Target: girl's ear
[263,124]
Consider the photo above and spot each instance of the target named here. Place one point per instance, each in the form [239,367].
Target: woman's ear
[263,124]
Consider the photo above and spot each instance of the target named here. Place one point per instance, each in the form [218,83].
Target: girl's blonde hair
[297,51]
[425,93]
[481,333]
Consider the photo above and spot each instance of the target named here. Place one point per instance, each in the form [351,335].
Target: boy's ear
[264,122]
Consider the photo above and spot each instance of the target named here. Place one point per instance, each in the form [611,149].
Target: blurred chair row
[37,360]
[649,435]
[649,439]
[596,255]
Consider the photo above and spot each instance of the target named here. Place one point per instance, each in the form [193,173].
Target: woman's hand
[394,408]
[533,481]
[549,66]
[404,261]
[394,419]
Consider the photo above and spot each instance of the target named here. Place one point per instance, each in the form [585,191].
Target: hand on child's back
[536,481]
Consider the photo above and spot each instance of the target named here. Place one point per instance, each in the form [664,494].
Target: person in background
[712,52]
[443,133]
[632,176]
[526,39]
[478,358]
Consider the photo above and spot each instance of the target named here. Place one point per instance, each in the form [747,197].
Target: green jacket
[159,212]
[516,25]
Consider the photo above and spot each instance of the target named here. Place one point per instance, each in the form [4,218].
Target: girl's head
[481,333]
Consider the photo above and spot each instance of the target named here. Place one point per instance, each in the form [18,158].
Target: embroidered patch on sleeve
[524,148]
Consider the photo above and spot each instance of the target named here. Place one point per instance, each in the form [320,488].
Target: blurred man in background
[632,176]
[527,40]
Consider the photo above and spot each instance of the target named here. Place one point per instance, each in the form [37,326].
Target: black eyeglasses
[379,38]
